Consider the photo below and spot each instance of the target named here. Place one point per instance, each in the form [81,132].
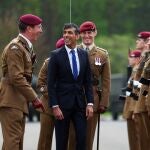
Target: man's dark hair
[22,26]
[71,25]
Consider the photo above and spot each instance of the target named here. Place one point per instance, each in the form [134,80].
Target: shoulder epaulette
[14,46]
[104,50]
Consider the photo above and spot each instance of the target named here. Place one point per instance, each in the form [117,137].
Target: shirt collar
[69,50]
[90,47]
[29,43]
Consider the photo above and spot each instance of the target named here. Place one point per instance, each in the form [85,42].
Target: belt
[134,96]
[145,81]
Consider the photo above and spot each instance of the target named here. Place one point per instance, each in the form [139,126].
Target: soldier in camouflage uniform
[100,66]
[16,91]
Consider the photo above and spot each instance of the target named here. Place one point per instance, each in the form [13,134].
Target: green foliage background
[117,21]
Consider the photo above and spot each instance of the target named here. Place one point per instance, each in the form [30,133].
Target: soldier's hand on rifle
[38,104]
[89,111]
[102,109]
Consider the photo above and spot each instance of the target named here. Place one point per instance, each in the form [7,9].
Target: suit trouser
[132,135]
[62,129]
[141,129]
[13,126]
[91,127]
[46,132]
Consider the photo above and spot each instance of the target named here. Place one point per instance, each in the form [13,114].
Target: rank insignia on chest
[98,61]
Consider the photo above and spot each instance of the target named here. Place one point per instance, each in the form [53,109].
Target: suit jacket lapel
[80,60]
[66,61]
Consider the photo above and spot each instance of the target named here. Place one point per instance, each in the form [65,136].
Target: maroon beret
[60,43]
[144,35]
[87,26]
[135,53]
[30,19]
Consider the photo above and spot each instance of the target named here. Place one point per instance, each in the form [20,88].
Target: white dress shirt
[29,43]
[89,47]
[70,58]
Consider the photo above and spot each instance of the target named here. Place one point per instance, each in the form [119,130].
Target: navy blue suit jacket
[63,89]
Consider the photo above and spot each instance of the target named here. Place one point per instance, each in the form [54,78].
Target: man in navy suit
[70,89]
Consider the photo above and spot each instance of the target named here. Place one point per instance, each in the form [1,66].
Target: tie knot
[87,48]
[72,51]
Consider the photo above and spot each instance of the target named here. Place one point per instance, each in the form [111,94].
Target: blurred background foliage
[117,21]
